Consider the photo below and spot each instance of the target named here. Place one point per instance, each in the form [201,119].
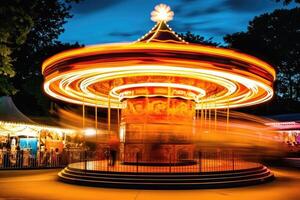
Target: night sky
[105,21]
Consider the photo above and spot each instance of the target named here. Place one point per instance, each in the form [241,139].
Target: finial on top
[162,12]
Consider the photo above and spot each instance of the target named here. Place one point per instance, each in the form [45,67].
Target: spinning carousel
[161,84]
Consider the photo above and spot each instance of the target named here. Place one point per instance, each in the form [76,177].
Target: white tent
[15,123]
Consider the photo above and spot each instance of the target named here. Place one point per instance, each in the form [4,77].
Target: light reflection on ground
[43,184]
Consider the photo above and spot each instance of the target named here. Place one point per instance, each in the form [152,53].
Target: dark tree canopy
[15,24]
[197,39]
[275,37]
[28,35]
[48,19]
[30,81]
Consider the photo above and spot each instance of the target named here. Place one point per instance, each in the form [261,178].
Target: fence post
[137,161]
[68,157]
[85,159]
[170,168]
[232,161]
[200,160]
[108,160]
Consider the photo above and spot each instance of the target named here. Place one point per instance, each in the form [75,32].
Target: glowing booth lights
[17,129]
[284,125]
[90,132]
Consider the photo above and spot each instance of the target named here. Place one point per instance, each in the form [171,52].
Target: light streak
[63,86]
[214,78]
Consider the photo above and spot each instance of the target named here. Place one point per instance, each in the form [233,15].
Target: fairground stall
[22,137]
[288,128]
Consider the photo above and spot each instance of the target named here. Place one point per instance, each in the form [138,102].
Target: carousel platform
[99,174]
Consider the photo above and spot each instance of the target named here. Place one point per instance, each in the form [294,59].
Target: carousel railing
[106,161]
[201,162]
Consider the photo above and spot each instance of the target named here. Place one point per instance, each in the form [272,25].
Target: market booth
[288,127]
[18,132]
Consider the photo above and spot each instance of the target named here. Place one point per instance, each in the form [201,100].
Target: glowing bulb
[162,12]
[90,132]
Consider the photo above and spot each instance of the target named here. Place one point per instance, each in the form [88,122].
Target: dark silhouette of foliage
[197,39]
[15,24]
[275,37]
[28,35]
[31,99]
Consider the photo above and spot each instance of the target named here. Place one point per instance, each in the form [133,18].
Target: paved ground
[43,184]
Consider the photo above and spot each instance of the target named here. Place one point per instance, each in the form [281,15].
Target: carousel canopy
[15,123]
[159,64]
[10,113]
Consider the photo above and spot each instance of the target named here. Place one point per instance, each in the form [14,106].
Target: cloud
[90,6]
[192,26]
[177,9]
[202,22]
[247,5]
[197,8]
[198,29]
[182,4]
[212,10]
[188,1]
[126,34]
[215,31]
[205,11]
[182,28]
[192,13]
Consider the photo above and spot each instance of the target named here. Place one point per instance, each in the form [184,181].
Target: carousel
[165,91]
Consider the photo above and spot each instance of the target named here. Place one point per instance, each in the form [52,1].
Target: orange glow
[242,81]
[158,64]
[158,85]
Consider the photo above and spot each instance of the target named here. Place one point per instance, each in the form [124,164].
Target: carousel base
[148,177]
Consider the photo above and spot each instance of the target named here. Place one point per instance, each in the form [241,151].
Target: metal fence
[107,162]
[41,159]
[202,162]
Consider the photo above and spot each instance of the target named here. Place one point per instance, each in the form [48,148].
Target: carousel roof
[10,113]
[14,122]
[162,32]
[158,64]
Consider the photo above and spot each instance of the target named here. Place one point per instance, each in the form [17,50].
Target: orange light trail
[159,64]
[242,81]
[161,82]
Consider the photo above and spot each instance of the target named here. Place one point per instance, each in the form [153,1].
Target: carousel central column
[157,130]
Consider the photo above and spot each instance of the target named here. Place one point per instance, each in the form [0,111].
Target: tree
[48,18]
[29,81]
[275,37]
[197,39]
[15,24]
[28,37]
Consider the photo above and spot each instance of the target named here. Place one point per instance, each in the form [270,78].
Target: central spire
[162,12]
[162,32]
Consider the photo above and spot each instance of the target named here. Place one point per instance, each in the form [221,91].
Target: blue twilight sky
[105,21]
